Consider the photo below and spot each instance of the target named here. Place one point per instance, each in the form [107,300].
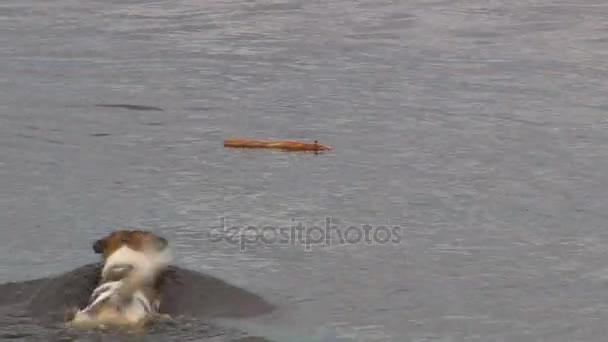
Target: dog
[128,293]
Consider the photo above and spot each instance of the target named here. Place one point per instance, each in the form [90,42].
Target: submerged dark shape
[184,292]
[130,106]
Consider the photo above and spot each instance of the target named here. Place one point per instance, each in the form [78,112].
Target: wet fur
[127,295]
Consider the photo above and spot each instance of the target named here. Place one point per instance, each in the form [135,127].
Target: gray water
[476,127]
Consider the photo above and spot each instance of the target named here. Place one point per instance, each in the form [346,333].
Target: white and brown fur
[127,294]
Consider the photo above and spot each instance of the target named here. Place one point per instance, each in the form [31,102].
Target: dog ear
[99,246]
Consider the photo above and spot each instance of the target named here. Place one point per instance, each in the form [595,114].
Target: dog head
[137,240]
[127,250]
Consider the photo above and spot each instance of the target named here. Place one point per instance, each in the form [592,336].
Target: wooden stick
[286,145]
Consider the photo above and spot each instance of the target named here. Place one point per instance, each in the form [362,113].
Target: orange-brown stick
[288,145]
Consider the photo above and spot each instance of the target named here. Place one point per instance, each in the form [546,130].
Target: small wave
[130,107]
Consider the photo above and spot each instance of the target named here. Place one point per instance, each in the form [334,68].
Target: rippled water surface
[477,127]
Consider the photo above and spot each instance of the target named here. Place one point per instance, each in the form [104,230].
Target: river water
[475,130]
